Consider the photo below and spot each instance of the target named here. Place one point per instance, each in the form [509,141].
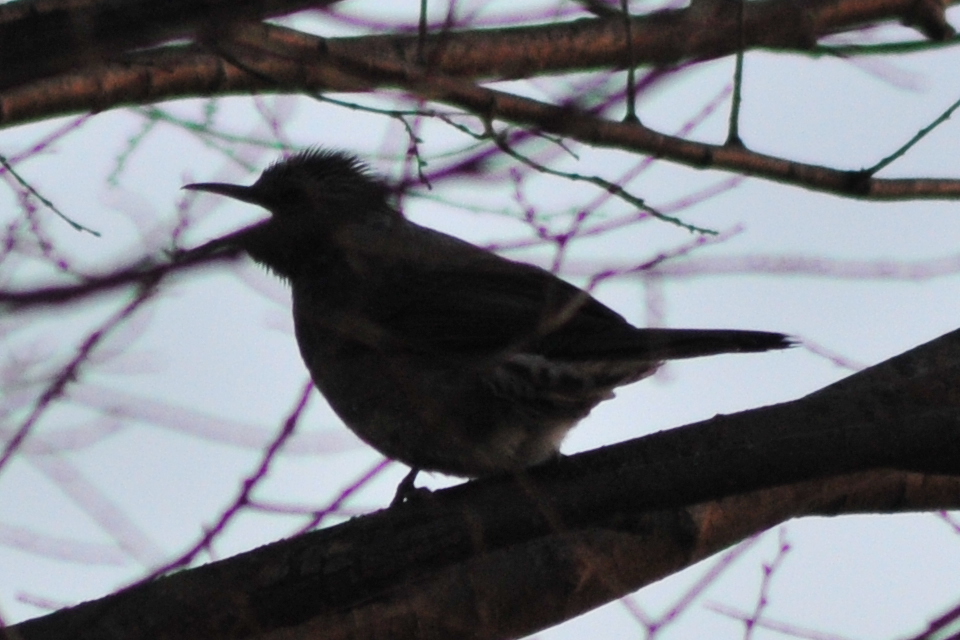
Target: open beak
[235,191]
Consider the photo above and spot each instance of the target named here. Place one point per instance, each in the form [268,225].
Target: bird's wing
[441,295]
[489,306]
[482,310]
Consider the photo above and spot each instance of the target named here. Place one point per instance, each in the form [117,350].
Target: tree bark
[506,556]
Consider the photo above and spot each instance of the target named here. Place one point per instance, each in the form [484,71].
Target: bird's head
[322,186]
[312,196]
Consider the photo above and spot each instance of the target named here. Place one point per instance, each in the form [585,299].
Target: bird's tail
[673,344]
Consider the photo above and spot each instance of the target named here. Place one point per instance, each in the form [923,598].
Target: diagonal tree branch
[506,556]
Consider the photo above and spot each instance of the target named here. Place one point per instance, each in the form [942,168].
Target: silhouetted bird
[436,352]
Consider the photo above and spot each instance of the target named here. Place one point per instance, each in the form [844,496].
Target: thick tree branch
[38,39]
[506,556]
[239,57]
[708,29]
[270,58]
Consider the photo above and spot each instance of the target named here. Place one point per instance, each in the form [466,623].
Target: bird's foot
[407,491]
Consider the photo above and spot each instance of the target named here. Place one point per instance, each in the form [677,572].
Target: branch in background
[151,274]
[278,59]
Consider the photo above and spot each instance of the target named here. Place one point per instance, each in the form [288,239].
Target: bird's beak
[235,191]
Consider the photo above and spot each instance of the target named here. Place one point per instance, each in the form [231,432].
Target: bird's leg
[406,488]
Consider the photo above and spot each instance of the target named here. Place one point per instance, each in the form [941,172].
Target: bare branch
[576,533]
[276,59]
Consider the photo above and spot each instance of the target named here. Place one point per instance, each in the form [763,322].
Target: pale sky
[170,415]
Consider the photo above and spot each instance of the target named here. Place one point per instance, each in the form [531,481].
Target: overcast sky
[171,413]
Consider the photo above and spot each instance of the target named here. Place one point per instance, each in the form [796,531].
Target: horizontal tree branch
[708,29]
[39,39]
[263,57]
[238,57]
[508,555]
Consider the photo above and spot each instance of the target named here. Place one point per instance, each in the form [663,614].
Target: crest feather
[326,165]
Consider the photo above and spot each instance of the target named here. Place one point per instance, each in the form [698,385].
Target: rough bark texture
[506,556]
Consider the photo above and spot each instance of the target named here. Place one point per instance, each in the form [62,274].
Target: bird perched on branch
[438,353]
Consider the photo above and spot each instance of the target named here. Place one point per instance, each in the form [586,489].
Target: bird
[436,352]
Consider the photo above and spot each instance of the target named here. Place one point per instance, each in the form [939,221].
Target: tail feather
[669,344]
[674,344]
